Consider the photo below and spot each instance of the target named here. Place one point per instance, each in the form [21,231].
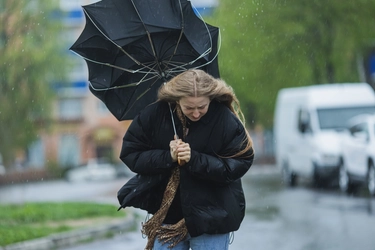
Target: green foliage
[54,169]
[11,234]
[33,220]
[269,45]
[31,59]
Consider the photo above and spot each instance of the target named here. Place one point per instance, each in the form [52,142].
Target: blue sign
[371,64]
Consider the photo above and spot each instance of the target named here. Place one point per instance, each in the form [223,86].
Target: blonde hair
[197,83]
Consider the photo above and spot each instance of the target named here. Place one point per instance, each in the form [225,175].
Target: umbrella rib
[148,35]
[180,36]
[209,34]
[146,74]
[141,95]
[143,79]
[118,67]
[153,49]
[182,28]
[118,46]
[106,64]
[208,51]
[127,85]
[109,39]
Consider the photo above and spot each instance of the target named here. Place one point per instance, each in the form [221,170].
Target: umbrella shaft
[174,125]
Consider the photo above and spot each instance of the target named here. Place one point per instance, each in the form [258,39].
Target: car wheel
[318,180]
[289,178]
[371,179]
[343,178]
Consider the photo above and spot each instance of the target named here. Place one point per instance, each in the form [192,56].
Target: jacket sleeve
[222,168]
[137,151]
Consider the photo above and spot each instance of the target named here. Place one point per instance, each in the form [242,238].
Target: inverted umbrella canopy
[133,46]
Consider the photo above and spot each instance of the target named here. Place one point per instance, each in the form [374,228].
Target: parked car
[308,125]
[2,169]
[92,171]
[358,155]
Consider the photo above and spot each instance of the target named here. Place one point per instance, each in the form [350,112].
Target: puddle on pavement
[260,194]
[266,213]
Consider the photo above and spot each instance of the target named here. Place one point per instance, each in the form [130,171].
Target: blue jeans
[202,242]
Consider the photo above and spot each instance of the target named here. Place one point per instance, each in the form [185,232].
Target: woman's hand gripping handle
[180,151]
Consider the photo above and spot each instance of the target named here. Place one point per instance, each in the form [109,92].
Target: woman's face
[194,108]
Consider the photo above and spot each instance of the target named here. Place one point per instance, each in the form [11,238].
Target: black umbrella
[132,46]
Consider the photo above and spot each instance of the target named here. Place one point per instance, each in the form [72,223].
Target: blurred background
[296,67]
[49,121]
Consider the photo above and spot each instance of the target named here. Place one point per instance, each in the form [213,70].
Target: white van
[358,155]
[307,126]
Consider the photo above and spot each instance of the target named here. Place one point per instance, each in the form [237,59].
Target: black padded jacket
[210,193]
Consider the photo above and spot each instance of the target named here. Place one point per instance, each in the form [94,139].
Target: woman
[190,181]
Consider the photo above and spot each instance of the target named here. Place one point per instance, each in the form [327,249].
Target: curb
[71,238]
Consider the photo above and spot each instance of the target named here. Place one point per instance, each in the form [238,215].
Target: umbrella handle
[181,162]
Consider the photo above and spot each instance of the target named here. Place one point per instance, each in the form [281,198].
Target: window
[336,118]
[304,121]
[69,150]
[70,109]
[36,156]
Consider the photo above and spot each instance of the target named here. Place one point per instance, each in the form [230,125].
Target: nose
[196,113]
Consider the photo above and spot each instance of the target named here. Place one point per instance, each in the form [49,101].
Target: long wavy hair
[197,83]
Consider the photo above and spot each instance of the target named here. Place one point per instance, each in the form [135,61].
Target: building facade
[82,127]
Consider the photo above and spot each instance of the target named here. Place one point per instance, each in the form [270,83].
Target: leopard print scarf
[153,228]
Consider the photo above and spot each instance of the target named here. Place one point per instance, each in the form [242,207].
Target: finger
[174,143]
[185,158]
[183,147]
[183,154]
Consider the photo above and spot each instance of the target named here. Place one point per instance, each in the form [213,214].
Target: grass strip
[20,222]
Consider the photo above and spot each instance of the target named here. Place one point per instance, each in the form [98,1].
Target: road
[301,218]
